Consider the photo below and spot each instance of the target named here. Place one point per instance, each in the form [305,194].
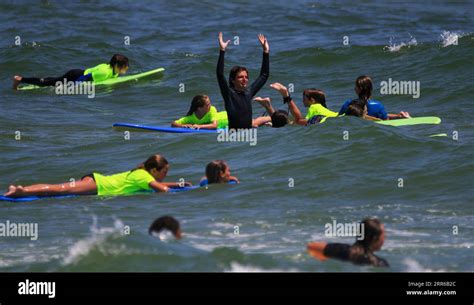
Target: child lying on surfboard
[118,65]
[202,115]
[147,176]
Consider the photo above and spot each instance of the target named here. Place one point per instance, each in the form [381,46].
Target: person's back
[354,254]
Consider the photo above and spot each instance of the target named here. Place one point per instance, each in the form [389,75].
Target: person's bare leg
[16,81]
[86,186]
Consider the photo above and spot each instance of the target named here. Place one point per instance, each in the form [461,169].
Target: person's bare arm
[295,112]
[401,115]
[158,186]
[316,250]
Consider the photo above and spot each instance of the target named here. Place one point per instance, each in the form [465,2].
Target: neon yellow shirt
[208,118]
[318,109]
[123,183]
[101,72]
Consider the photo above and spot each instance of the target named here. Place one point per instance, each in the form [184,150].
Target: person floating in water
[118,65]
[166,223]
[236,93]
[147,176]
[218,171]
[375,109]
[361,252]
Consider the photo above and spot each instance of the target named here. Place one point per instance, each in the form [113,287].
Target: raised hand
[264,42]
[280,88]
[223,45]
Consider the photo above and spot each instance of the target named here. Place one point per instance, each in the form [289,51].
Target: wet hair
[279,118]
[165,223]
[364,85]
[214,169]
[197,102]
[316,94]
[233,74]
[356,108]
[119,60]
[155,161]
[361,249]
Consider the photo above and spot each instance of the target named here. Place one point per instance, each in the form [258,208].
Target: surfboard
[412,121]
[34,198]
[145,128]
[110,81]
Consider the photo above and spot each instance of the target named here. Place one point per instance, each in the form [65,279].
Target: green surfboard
[110,81]
[411,121]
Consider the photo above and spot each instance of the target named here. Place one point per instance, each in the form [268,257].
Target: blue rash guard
[374,108]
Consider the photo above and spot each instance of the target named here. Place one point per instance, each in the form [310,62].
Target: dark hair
[364,85]
[120,60]
[197,102]
[279,118]
[155,161]
[356,108]
[233,73]
[361,249]
[165,223]
[213,170]
[316,94]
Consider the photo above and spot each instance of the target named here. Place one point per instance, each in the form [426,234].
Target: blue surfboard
[145,128]
[34,198]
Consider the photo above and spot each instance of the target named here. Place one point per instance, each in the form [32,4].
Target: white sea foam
[394,47]
[99,235]
[413,266]
[449,38]
[236,267]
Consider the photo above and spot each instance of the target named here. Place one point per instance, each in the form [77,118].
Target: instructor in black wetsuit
[237,95]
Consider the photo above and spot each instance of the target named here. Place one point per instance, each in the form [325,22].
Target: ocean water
[294,181]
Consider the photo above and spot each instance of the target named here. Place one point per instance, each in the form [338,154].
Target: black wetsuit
[70,76]
[342,252]
[239,104]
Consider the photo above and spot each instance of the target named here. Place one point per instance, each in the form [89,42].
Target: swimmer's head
[314,96]
[201,104]
[156,165]
[218,171]
[356,108]
[166,223]
[374,235]
[119,63]
[238,78]
[363,87]
[279,118]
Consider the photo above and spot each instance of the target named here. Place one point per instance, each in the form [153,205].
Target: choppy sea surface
[293,182]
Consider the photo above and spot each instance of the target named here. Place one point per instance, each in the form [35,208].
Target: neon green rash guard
[123,183]
[101,72]
[318,109]
[208,118]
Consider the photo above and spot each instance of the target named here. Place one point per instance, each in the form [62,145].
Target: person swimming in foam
[361,252]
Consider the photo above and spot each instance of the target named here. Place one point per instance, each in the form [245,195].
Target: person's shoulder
[316,106]
[139,173]
[337,250]
[374,102]
[213,110]
[346,103]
